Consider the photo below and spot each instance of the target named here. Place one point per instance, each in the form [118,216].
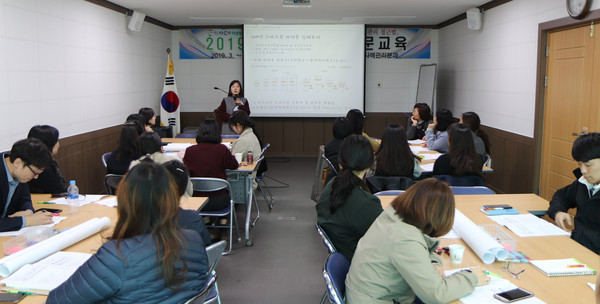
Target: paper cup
[238,157]
[456,253]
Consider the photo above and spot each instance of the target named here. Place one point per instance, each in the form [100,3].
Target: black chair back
[383,183]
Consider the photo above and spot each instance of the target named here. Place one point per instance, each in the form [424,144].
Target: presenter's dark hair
[47,134]
[464,159]
[32,152]
[427,205]
[149,203]
[342,127]
[241,88]
[472,120]
[357,118]
[150,142]
[129,142]
[444,119]
[209,132]
[356,154]
[424,111]
[147,114]
[586,147]
[242,118]
[179,173]
[394,157]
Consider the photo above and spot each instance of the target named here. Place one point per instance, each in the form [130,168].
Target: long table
[89,211]
[558,290]
[240,179]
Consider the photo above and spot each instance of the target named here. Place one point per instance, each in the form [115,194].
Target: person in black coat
[342,128]
[51,180]
[581,194]
[26,160]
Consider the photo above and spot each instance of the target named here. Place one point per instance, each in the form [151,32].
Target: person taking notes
[582,194]
[26,160]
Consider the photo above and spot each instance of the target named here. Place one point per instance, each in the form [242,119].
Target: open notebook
[562,267]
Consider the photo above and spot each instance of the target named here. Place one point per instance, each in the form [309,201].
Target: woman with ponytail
[248,140]
[346,209]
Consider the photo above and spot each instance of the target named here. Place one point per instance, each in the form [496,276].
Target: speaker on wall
[474,18]
[136,21]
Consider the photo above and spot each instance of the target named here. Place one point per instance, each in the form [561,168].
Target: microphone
[220,90]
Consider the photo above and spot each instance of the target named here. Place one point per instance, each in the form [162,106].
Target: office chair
[209,184]
[326,240]
[214,253]
[199,298]
[468,180]
[260,178]
[254,174]
[186,135]
[383,183]
[458,190]
[334,272]
[111,182]
[105,157]
[389,192]
[331,166]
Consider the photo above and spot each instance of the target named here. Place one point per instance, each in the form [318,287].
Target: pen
[575,266]
[501,208]
[49,203]
[492,274]
[21,292]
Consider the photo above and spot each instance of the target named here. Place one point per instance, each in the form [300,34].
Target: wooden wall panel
[513,155]
[80,157]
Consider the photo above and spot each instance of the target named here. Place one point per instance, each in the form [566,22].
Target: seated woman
[394,157]
[342,128]
[248,140]
[357,118]
[209,158]
[396,261]
[148,258]
[461,159]
[482,142]
[51,180]
[436,134]
[346,209]
[127,151]
[419,121]
[151,147]
[149,118]
[188,219]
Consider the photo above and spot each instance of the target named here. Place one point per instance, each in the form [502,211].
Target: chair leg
[257,211]
[272,201]
[324,297]
[264,195]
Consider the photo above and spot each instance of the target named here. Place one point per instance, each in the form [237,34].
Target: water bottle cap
[72,182]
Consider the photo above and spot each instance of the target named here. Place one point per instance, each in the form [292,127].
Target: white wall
[493,71]
[74,65]
[196,79]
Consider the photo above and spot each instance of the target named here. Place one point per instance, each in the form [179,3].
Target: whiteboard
[426,86]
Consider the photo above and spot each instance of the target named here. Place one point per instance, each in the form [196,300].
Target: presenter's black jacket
[21,200]
[50,181]
[587,219]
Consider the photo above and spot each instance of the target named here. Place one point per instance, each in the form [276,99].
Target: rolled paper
[34,253]
[484,246]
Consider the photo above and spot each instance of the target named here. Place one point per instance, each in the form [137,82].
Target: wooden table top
[572,289]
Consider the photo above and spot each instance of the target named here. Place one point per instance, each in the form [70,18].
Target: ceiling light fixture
[296,3]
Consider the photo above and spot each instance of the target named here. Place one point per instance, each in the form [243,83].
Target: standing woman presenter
[234,101]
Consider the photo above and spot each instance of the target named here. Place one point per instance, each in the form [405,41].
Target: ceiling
[182,13]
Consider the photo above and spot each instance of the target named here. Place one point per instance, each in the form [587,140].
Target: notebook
[562,267]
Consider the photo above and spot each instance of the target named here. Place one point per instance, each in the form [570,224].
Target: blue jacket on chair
[134,275]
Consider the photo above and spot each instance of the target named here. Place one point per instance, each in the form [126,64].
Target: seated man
[582,193]
[26,160]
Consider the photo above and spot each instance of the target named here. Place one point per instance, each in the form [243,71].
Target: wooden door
[572,102]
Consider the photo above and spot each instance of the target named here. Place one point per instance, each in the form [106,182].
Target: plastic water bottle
[73,197]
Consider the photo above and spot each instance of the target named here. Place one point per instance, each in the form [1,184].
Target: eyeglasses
[516,274]
[35,173]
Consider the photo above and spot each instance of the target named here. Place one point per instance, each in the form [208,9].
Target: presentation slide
[304,70]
